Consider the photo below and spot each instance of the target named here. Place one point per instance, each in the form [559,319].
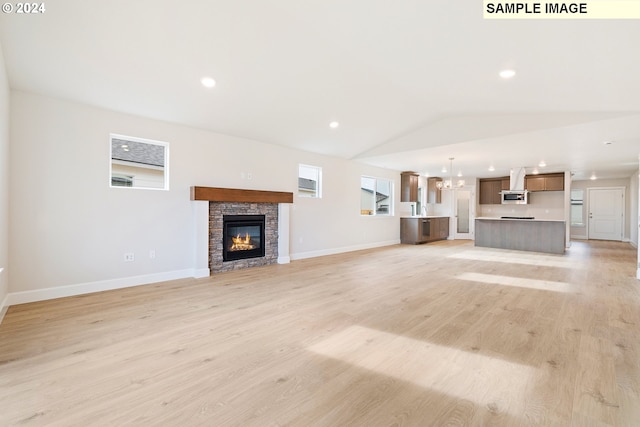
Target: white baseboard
[5,302]
[4,307]
[14,298]
[201,272]
[333,251]
[284,260]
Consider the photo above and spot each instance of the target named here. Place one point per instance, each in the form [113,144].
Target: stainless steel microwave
[514,197]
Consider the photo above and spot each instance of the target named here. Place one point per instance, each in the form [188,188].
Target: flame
[242,243]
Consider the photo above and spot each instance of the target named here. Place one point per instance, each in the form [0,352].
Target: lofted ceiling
[411,83]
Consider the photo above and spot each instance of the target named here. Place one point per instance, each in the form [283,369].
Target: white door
[464,215]
[606,213]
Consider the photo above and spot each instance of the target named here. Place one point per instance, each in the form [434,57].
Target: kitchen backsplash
[542,205]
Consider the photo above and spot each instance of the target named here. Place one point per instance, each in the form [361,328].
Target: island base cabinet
[522,235]
[414,231]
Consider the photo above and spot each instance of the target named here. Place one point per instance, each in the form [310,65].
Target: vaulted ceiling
[412,83]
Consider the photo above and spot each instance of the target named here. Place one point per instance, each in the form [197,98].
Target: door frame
[624,203]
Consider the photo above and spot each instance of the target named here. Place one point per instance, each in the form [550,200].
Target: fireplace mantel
[214,194]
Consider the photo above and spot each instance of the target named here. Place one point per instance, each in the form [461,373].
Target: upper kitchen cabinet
[434,194]
[505,183]
[546,182]
[490,189]
[409,187]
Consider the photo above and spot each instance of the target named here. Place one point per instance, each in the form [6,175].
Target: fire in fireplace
[243,237]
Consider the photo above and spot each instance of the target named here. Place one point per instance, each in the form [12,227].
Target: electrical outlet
[152,253]
[128,257]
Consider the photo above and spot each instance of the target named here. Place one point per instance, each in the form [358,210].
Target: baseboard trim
[334,251]
[201,272]
[4,307]
[5,302]
[24,297]
[284,260]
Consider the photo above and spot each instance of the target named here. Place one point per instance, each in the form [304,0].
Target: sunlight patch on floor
[515,258]
[520,282]
[487,381]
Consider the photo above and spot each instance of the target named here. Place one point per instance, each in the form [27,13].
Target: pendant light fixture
[448,184]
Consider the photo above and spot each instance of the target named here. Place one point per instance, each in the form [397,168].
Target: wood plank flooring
[444,334]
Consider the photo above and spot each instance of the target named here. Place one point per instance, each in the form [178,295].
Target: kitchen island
[523,234]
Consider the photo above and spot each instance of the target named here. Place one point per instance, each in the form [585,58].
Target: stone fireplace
[243,228]
[255,228]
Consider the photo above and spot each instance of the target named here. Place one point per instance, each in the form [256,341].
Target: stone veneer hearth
[216,212]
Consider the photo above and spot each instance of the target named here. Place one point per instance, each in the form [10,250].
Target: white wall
[636,225]
[69,228]
[634,217]
[4,185]
[634,206]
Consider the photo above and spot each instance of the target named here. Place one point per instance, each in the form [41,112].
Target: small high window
[139,163]
[376,196]
[309,181]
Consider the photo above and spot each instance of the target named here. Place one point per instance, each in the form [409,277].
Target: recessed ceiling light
[444,170]
[334,125]
[535,171]
[208,82]
[542,164]
[459,174]
[491,168]
[507,74]
[593,177]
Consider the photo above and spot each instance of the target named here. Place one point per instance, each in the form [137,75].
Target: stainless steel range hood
[516,180]
[516,193]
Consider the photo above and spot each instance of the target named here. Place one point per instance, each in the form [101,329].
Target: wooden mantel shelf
[214,194]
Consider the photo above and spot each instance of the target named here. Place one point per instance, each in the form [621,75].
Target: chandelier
[449,184]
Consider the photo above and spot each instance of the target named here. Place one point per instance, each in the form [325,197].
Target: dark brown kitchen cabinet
[534,183]
[554,183]
[408,187]
[545,182]
[417,230]
[443,228]
[490,189]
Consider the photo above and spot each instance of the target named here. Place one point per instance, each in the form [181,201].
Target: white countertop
[424,216]
[482,218]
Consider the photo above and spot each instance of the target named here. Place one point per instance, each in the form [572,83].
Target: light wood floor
[430,335]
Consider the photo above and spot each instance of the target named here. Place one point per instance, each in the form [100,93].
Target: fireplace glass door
[243,237]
